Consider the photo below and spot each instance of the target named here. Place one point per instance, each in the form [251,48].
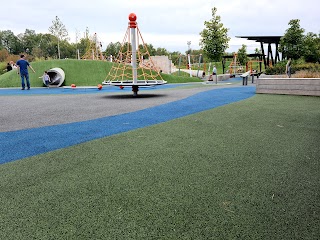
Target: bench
[245,78]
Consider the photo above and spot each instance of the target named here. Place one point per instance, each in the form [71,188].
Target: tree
[214,38]
[47,44]
[37,52]
[113,49]
[29,40]
[161,52]
[312,47]
[195,56]
[10,42]
[59,31]
[83,45]
[257,51]
[1,39]
[175,53]
[242,55]
[291,44]
[4,54]
[150,48]
[67,50]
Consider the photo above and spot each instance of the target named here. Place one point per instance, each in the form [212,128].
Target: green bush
[312,67]
[3,68]
[279,68]
[298,65]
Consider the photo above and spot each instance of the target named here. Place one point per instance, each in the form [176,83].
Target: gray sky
[166,23]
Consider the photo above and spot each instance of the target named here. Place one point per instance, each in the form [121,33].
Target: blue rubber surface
[77,90]
[95,90]
[26,143]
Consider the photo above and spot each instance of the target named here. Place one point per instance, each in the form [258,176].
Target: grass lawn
[81,73]
[247,170]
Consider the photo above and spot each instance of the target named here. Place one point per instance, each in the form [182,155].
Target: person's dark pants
[26,76]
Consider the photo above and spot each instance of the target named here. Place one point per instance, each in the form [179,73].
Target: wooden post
[199,65]
[223,64]
[189,64]
[263,55]
[179,64]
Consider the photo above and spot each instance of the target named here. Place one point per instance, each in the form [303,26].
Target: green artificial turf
[248,170]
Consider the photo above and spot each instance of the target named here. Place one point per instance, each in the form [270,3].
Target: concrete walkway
[40,123]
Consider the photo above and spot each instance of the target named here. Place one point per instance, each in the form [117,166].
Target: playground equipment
[235,67]
[93,51]
[57,77]
[253,71]
[133,66]
[192,62]
[249,65]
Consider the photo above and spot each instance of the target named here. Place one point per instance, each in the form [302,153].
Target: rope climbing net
[122,70]
[93,50]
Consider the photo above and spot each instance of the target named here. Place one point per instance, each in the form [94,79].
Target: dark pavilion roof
[263,39]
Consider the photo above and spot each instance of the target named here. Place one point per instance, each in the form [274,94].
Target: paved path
[36,124]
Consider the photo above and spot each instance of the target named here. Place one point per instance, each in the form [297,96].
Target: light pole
[189,48]
[189,62]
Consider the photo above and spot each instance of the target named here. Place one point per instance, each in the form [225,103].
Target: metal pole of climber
[133,26]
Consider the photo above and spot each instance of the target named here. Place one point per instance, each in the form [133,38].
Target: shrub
[4,54]
[279,69]
[298,65]
[306,74]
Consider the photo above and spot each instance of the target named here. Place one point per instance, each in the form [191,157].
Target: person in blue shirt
[23,65]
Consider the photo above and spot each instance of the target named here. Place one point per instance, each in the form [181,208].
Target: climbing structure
[250,65]
[133,66]
[93,50]
[190,62]
[235,67]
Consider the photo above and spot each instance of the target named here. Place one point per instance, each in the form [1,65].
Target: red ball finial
[132,17]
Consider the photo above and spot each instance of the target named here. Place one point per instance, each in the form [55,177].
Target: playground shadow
[130,96]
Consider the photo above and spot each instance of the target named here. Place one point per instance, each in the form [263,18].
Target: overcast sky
[166,23]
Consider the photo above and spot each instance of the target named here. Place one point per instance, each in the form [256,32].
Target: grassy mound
[81,73]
